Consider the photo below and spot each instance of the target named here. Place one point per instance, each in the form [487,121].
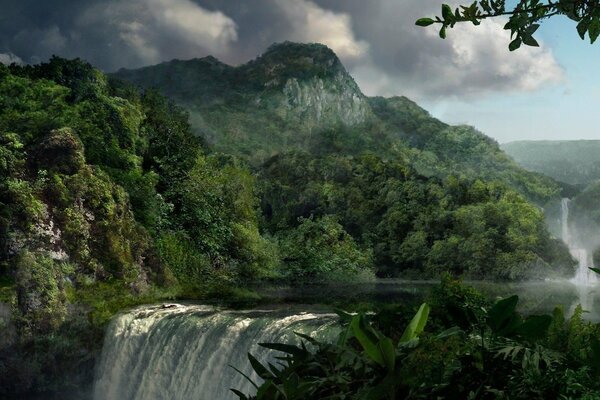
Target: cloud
[310,23]
[41,43]
[474,63]
[159,30]
[471,63]
[376,40]
[9,58]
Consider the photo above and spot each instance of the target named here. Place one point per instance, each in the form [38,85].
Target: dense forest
[279,170]
[574,162]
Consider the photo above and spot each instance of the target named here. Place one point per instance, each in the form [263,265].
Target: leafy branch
[524,19]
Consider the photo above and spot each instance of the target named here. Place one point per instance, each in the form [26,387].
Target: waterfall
[583,275]
[565,221]
[185,352]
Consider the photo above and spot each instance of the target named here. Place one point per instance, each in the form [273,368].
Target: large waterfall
[185,352]
[583,276]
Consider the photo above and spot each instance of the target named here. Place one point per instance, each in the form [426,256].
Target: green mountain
[312,137]
[269,104]
[300,96]
[108,199]
[576,162]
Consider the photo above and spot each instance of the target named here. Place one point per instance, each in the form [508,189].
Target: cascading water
[583,276]
[185,352]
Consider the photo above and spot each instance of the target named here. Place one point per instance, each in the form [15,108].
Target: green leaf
[386,348]
[344,336]
[259,368]
[501,313]
[596,270]
[535,326]
[515,44]
[510,328]
[245,376]
[594,30]
[530,41]
[417,324]
[455,330]
[285,348]
[241,395]
[595,356]
[531,29]
[309,339]
[424,22]
[447,12]
[582,27]
[291,386]
[443,32]
[367,339]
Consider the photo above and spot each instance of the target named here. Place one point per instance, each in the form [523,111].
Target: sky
[551,92]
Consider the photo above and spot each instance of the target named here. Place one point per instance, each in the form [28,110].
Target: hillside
[575,162]
[108,200]
[300,97]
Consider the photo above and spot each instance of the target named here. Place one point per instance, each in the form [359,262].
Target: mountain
[404,185]
[576,162]
[108,200]
[261,107]
[300,96]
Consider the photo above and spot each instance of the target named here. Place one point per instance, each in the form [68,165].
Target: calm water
[535,297]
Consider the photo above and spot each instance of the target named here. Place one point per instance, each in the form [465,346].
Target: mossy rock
[61,151]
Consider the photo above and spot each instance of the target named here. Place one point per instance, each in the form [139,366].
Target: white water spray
[185,352]
[583,276]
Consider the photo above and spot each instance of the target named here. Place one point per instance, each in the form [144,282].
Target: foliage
[41,299]
[524,18]
[335,371]
[413,223]
[319,250]
[105,197]
[574,162]
[251,111]
[497,354]
[218,213]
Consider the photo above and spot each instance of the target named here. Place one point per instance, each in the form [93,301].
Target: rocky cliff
[292,89]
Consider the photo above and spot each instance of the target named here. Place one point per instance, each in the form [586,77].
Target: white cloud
[470,63]
[480,55]
[158,30]
[9,58]
[311,23]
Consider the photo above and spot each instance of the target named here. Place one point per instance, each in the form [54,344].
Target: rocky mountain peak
[287,60]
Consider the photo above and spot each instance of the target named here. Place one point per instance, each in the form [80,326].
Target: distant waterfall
[184,352]
[566,237]
[583,275]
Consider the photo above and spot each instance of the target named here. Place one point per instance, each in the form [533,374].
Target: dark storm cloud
[414,61]
[377,40]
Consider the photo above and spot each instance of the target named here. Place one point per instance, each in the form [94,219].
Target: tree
[523,19]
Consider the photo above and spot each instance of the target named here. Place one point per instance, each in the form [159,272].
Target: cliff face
[308,82]
[290,91]
[325,102]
